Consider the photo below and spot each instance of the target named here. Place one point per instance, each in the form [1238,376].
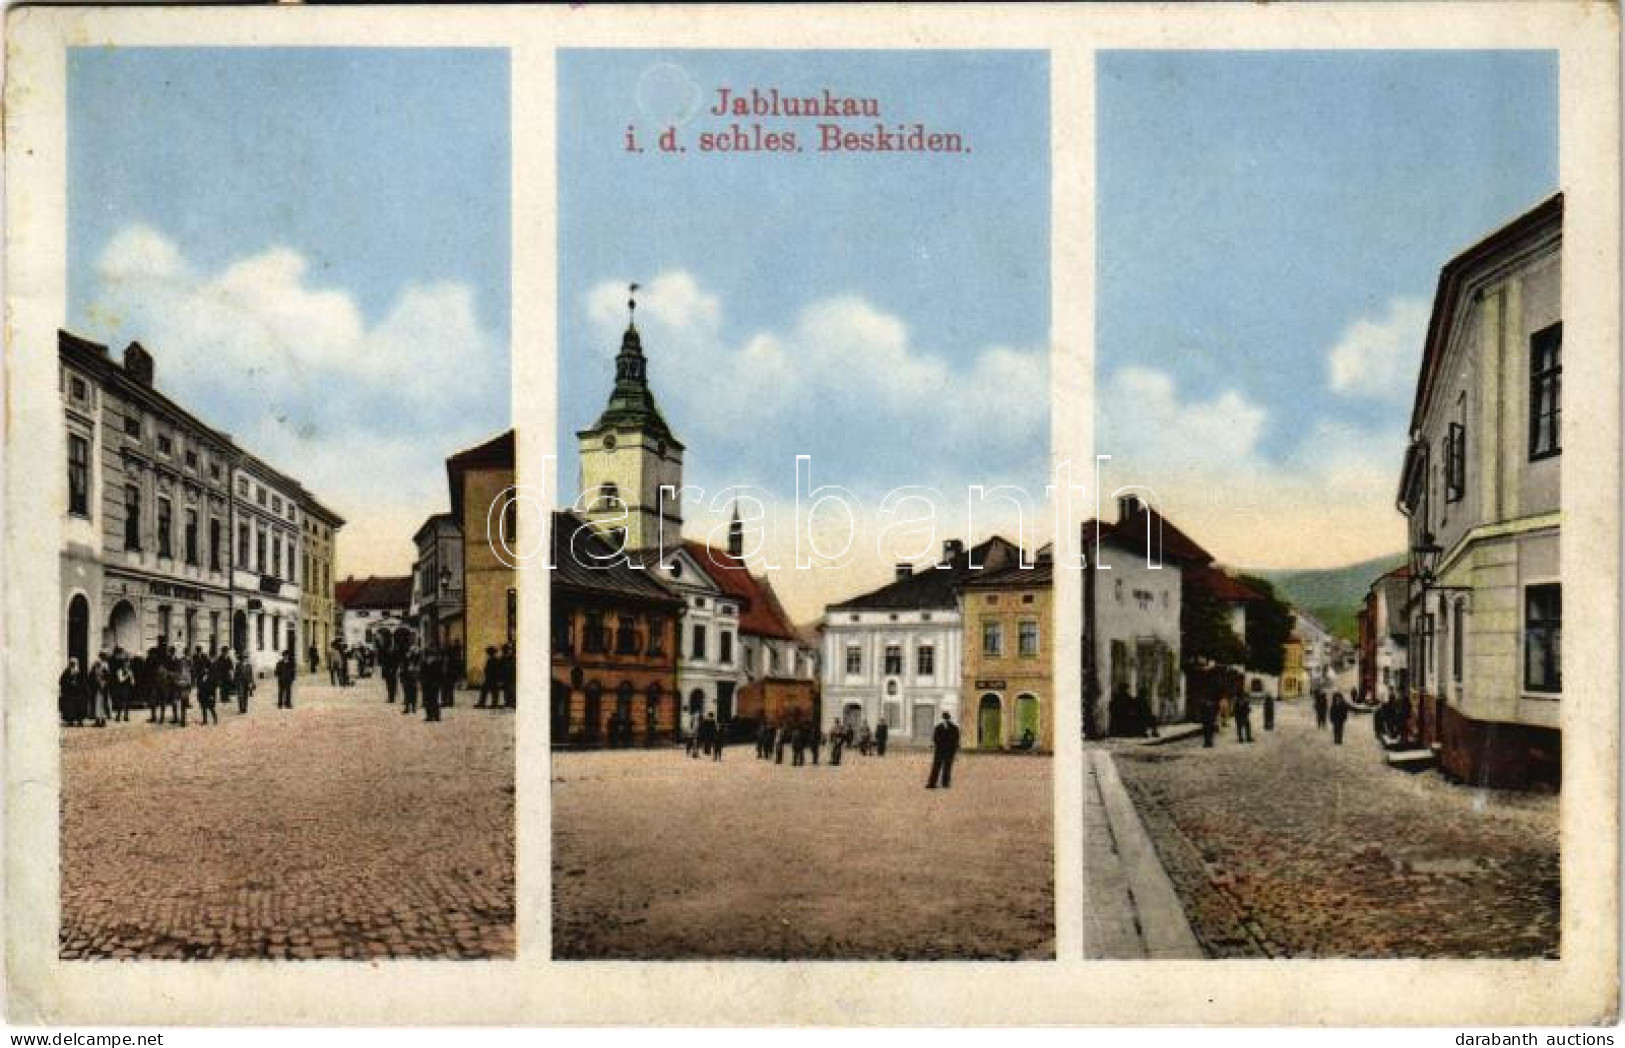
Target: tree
[1205,636]
[1269,625]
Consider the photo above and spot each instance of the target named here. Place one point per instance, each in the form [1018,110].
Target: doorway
[990,723]
[79,629]
[924,720]
[123,629]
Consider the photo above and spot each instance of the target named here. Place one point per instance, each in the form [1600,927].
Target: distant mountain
[1332,595]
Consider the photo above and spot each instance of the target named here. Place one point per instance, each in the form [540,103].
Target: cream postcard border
[1581,987]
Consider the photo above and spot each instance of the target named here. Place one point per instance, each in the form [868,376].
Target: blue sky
[831,265]
[314,243]
[1270,230]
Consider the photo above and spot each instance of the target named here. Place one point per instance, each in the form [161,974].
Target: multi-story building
[1008,676]
[1384,623]
[1319,649]
[375,612]
[1133,594]
[146,556]
[710,665]
[1294,673]
[318,603]
[1481,489]
[265,573]
[614,644]
[478,479]
[894,654]
[437,583]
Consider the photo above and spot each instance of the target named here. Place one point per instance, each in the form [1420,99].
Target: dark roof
[1221,584]
[762,614]
[1131,534]
[632,403]
[374,591]
[1041,573]
[496,453]
[1451,279]
[935,587]
[576,545]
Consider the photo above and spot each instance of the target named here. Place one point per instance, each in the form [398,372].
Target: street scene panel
[1322,636]
[287,668]
[801,696]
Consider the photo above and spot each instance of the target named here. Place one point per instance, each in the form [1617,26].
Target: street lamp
[1425,559]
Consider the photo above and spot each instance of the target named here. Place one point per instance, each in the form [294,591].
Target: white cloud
[1377,356]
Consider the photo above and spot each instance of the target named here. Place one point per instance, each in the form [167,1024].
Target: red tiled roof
[1221,585]
[374,591]
[762,614]
[1176,545]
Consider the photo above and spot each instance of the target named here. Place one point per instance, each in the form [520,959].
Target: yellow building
[1008,696]
[477,478]
[317,606]
[1294,681]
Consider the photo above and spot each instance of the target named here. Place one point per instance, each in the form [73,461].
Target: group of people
[801,737]
[164,681]
[429,677]
[1336,711]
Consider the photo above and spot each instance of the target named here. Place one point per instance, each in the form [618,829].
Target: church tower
[630,453]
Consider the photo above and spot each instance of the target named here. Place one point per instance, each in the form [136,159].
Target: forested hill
[1332,595]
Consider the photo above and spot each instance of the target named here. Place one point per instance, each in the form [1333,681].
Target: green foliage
[1206,638]
[1269,624]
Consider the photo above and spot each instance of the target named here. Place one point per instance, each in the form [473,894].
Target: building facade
[710,663]
[436,602]
[481,481]
[375,612]
[1481,490]
[1385,637]
[895,653]
[614,643]
[318,604]
[1007,684]
[265,584]
[145,556]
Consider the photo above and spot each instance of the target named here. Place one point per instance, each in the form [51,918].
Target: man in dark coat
[815,738]
[411,663]
[798,745]
[508,677]
[1269,711]
[1244,718]
[315,658]
[944,747]
[1210,720]
[389,664]
[245,680]
[491,682]
[881,734]
[429,679]
[208,689]
[837,742]
[285,672]
[719,740]
[1340,714]
[70,694]
[1320,708]
[448,681]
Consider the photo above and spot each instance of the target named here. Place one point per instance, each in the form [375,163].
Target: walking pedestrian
[245,681]
[1340,715]
[509,676]
[1269,711]
[70,694]
[815,739]
[798,745]
[1210,721]
[389,664]
[429,678]
[315,658]
[285,672]
[864,739]
[100,690]
[1320,708]
[882,733]
[410,666]
[123,685]
[944,747]
[491,679]
[719,741]
[837,742]
[448,686]
[781,740]
[181,685]
[207,690]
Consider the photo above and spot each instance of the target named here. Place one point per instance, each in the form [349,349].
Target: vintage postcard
[920,515]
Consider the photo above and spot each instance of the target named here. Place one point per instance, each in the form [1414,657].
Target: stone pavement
[1130,909]
[1294,847]
[339,829]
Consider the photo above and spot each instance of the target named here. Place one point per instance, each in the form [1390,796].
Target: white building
[1481,489]
[894,653]
[437,582]
[1319,649]
[1132,593]
[374,610]
[265,573]
[710,664]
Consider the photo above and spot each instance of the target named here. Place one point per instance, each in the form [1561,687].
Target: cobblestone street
[1294,847]
[340,828]
[657,856]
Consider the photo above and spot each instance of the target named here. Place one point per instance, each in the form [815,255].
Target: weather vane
[631,300]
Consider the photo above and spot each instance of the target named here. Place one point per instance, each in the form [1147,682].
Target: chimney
[1127,506]
[952,548]
[138,364]
[904,569]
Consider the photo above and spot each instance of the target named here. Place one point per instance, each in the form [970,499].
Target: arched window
[609,496]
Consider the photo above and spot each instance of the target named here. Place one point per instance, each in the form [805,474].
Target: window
[626,639]
[76,386]
[1027,638]
[657,635]
[276,503]
[132,426]
[214,543]
[510,522]
[191,537]
[925,660]
[609,497]
[242,486]
[242,545]
[725,653]
[1456,641]
[214,471]
[992,637]
[854,659]
[132,517]
[595,632]
[191,459]
[259,631]
[772,660]
[259,495]
[1455,462]
[259,552]
[166,446]
[164,521]
[78,475]
[1546,391]
[1543,638]
[894,660]
[276,555]
[697,647]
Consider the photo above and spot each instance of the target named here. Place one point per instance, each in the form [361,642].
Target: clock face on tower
[609,441]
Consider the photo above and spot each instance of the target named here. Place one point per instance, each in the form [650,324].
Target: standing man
[285,672]
[1210,720]
[509,676]
[837,742]
[245,681]
[798,745]
[944,747]
[1340,714]
[491,682]
[1244,718]
[315,658]
[409,681]
[1320,709]
[206,690]
[429,679]
[450,664]
[815,737]
[1269,711]
[720,740]
[335,659]
[181,684]
[881,734]
[389,664]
